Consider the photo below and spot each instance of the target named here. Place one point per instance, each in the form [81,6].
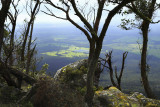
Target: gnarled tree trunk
[3,15]
[147,88]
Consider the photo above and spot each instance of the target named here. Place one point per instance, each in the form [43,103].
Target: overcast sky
[44,19]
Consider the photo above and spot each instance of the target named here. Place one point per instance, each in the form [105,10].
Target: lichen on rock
[113,97]
[73,74]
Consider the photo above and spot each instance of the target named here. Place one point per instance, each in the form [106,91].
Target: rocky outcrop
[113,97]
[75,65]
[74,76]
[68,87]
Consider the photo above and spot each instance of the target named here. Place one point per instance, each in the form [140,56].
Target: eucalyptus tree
[94,35]
[3,15]
[12,15]
[34,7]
[13,76]
[144,13]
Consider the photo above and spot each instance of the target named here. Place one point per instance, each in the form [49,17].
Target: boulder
[75,65]
[113,97]
[73,74]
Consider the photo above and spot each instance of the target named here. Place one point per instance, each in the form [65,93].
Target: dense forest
[19,55]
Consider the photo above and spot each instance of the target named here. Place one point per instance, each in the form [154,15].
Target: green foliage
[72,73]
[83,69]
[6,34]
[9,95]
[143,6]
[128,24]
[44,69]
[82,90]
[53,94]
[27,104]
[100,88]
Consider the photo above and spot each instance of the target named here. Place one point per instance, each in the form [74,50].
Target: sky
[46,20]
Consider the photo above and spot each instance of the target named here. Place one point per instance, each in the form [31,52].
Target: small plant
[83,69]
[100,88]
[27,104]
[72,73]
[81,90]
[51,93]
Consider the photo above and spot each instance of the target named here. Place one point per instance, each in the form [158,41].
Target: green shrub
[83,69]
[27,104]
[81,90]
[53,94]
[72,74]
[100,88]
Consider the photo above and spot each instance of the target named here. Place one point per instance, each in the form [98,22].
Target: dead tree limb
[109,66]
[7,71]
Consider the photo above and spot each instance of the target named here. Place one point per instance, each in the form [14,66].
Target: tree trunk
[1,39]
[6,71]
[91,71]
[3,15]
[12,44]
[144,76]
[24,42]
[111,74]
[29,51]
[32,18]
[91,51]
[97,74]
[8,79]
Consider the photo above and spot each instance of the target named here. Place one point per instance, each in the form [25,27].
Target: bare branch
[99,15]
[67,16]
[51,14]
[79,27]
[57,7]
[116,74]
[109,17]
[83,19]
[123,63]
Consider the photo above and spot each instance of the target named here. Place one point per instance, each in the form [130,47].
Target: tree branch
[83,19]
[110,15]
[99,15]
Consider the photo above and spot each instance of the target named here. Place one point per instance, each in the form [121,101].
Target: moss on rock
[115,98]
[73,74]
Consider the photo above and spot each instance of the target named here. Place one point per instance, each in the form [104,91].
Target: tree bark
[12,44]
[3,15]
[32,18]
[145,29]
[91,71]
[13,21]
[148,90]
[30,51]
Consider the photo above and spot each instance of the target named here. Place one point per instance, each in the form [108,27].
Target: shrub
[72,73]
[54,94]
